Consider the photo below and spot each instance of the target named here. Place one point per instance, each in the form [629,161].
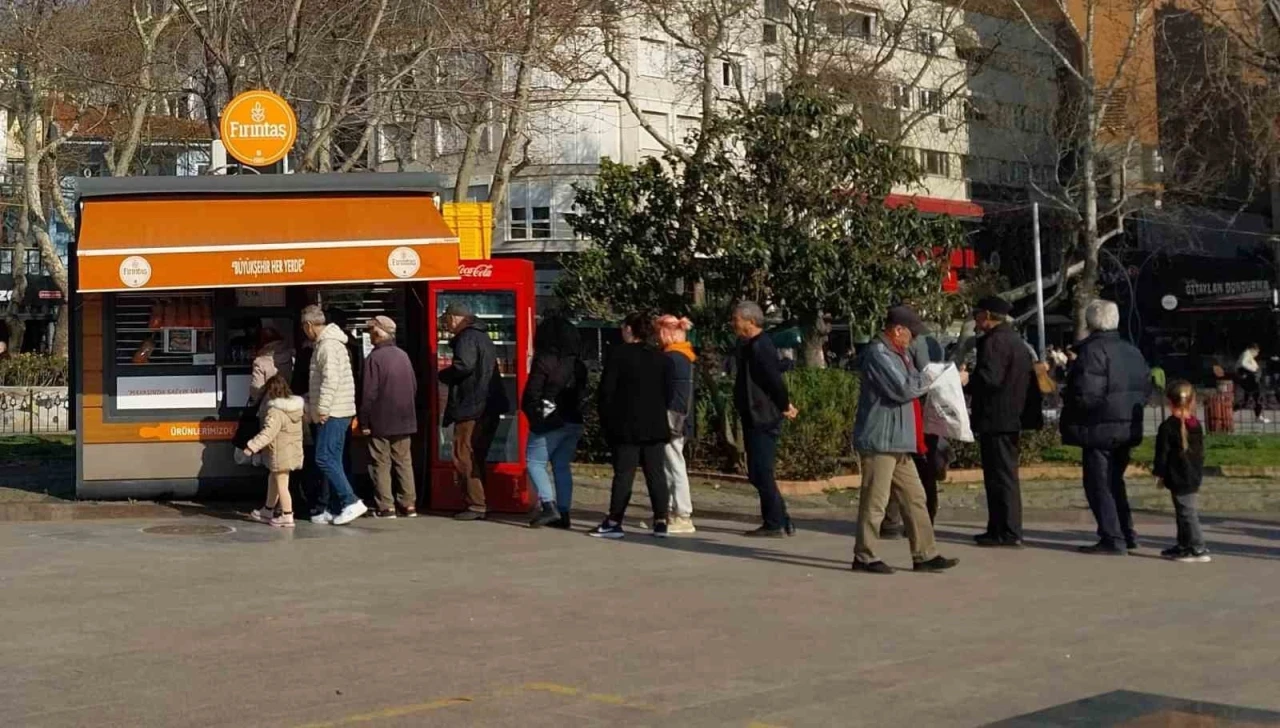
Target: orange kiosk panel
[176,280]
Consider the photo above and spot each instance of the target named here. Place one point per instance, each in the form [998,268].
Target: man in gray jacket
[887,433]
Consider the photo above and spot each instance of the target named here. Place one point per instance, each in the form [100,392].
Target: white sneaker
[1264,420]
[681,524]
[261,515]
[350,513]
[323,518]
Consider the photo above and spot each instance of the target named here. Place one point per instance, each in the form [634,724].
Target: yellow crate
[472,222]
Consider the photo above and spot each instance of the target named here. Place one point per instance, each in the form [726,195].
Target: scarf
[684,348]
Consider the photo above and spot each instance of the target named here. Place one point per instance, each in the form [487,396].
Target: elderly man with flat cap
[477,400]
[999,387]
[389,418]
[889,430]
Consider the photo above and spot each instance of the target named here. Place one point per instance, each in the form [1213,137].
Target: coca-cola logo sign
[479,270]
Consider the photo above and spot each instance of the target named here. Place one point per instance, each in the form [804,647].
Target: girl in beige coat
[280,442]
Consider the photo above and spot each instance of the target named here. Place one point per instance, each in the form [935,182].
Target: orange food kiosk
[176,281]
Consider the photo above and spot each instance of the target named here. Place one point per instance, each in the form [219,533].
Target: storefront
[176,280]
[1190,312]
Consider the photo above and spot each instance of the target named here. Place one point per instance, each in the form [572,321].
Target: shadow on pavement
[693,544]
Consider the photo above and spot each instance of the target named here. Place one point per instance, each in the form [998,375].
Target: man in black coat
[1102,406]
[477,399]
[761,398]
[999,386]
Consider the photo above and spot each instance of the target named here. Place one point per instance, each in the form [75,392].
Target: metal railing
[34,410]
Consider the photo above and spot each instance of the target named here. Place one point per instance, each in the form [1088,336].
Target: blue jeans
[556,447]
[331,438]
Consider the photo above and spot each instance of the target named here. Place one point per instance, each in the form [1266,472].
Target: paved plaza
[206,621]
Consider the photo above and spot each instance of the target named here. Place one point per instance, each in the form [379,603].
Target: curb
[71,511]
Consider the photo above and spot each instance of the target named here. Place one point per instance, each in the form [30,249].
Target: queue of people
[645,404]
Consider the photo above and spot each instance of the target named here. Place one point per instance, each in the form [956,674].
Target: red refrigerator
[501,295]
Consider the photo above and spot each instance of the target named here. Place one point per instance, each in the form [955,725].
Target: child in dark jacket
[1179,466]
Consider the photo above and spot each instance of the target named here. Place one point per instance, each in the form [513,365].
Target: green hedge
[33,370]
[818,443]
[811,447]
[1035,448]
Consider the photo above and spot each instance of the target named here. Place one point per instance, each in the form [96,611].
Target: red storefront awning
[936,206]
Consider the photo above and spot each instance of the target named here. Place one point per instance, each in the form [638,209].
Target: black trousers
[999,451]
[1104,488]
[928,465]
[1252,389]
[649,457]
[762,455]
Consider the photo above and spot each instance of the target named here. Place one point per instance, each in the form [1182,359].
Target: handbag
[247,427]
[1043,380]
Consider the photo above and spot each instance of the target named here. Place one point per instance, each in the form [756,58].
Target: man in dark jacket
[388,415]
[761,397]
[1106,391]
[999,385]
[477,399]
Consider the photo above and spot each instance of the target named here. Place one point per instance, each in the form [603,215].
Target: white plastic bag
[944,409]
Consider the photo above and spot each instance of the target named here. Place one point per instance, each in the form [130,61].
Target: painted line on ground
[393,712]
[400,711]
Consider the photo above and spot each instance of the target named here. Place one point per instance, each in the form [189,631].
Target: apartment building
[918,70]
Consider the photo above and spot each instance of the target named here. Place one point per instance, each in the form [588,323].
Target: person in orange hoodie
[673,333]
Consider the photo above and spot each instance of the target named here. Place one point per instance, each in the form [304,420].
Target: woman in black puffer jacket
[633,412]
[552,402]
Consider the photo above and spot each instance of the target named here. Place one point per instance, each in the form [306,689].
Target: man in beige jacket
[331,403]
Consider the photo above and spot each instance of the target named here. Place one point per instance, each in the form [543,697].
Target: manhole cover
[189,530]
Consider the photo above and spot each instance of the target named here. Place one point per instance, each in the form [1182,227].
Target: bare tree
[1117,138]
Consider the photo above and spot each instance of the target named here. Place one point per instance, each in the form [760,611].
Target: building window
[686,128]
[652,142]
[901,97]
[927,42]
[34,264]
[931,101]
[847,23]
[770,33]
[530,211]
[775,9]
[937,164]
[6,262]
[653,58]
[972,112]
[730,73]
[1021,174]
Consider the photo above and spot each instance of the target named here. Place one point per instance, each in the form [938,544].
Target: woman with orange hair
[673,333]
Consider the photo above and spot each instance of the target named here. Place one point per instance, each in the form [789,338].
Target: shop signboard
[185,392]
[258,128]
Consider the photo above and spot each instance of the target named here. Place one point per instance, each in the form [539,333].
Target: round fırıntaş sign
[258,128]
[404,262]
[135,271]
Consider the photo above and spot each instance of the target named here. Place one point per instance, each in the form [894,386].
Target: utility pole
[1035,234]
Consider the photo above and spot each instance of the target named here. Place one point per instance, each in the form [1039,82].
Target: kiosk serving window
[155,331]
[164,352]
[191,351]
